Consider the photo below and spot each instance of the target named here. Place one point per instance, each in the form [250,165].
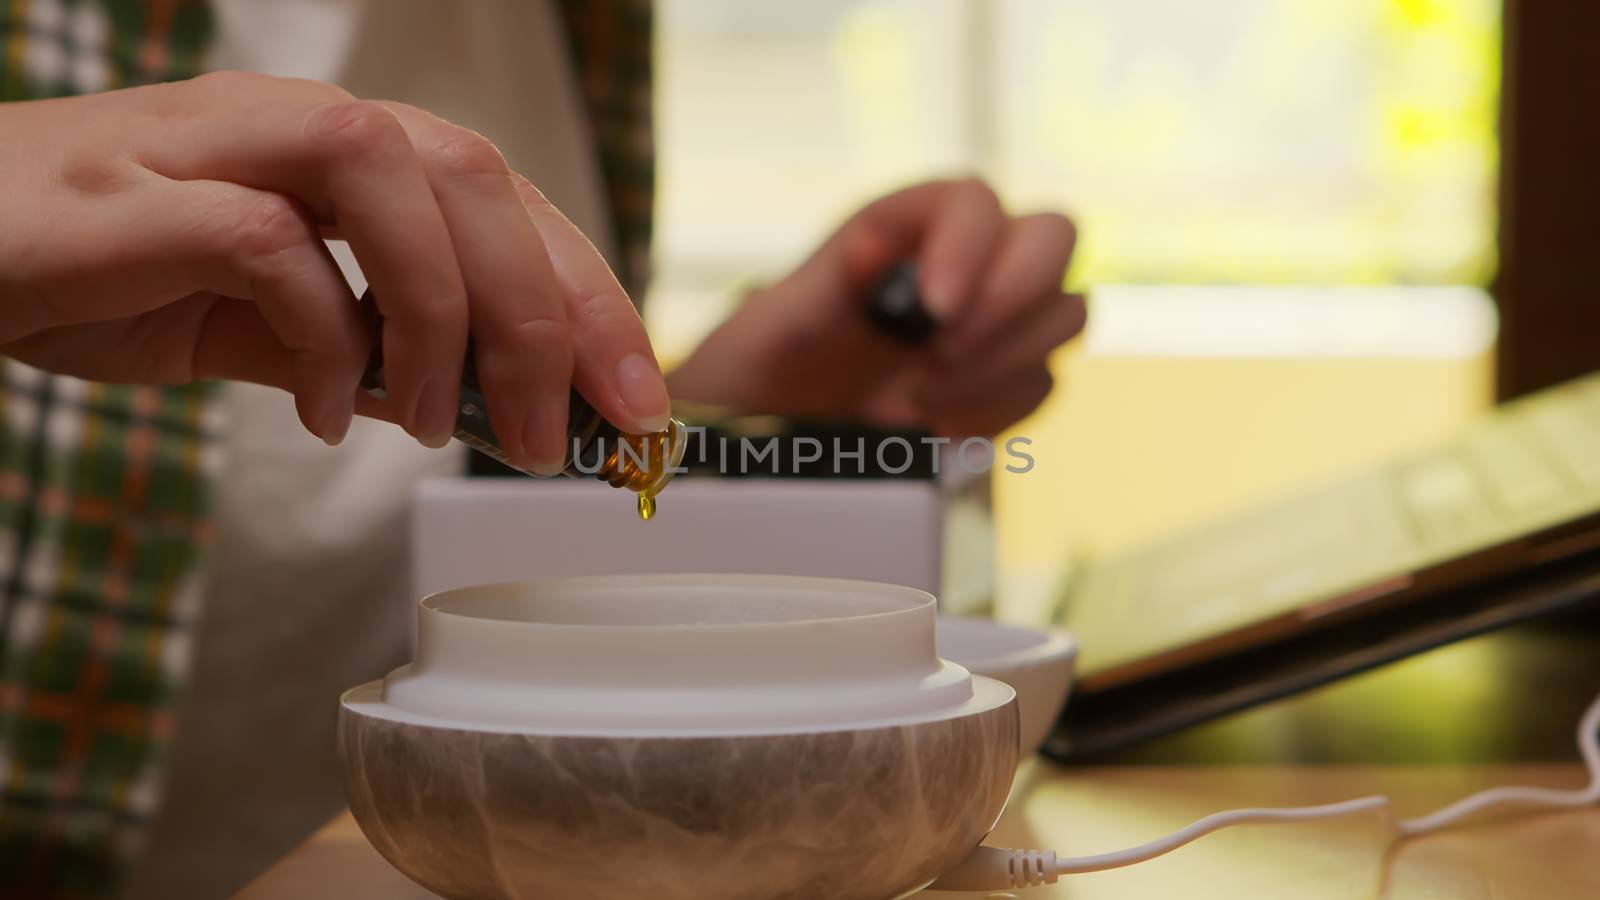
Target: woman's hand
[804,346]
[171,233]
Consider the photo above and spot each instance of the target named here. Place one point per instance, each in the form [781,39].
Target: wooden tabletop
[1538,857]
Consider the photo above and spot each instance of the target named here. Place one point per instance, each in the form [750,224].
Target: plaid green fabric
[103,509]
[105,490]
[612,52]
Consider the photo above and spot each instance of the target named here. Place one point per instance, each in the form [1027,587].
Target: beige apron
[307,588]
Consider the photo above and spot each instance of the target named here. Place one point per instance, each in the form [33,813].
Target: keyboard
[1523,470]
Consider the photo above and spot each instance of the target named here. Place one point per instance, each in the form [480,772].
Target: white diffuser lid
[677,654]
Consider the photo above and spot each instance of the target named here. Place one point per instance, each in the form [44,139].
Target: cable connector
[999,869]
[996,869]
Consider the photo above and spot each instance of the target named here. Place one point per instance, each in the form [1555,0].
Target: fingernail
[644,392]
[941,298]
[435,416]
[544,435]
[326,413]
[333,433]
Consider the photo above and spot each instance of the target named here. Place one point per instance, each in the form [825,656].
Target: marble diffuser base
[678,737]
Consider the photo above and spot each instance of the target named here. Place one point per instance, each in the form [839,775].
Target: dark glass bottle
[645,463]
[642,463]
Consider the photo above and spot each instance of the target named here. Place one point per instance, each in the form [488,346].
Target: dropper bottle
[595,448]
[644,463]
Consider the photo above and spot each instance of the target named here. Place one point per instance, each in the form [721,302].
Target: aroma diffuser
[678,737]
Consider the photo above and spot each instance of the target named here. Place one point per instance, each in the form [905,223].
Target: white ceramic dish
[1036,662]
[678,737]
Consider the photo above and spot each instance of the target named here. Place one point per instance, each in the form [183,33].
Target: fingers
[951,227]
[1027,270]
[991,386]
[961,238]
[300,330]
[1054,321]
[1025,343]
[994,283]
[352,163]
[236,342]
[517,313]
[994,407]
[997,353]
[247,174]
[435,217]
[616,370]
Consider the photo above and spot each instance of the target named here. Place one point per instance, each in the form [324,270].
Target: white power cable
[996,869]
[1588,748]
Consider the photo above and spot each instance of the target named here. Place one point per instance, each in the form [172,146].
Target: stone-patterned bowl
[678,737]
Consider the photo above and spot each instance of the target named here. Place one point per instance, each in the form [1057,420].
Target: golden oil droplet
[647,507]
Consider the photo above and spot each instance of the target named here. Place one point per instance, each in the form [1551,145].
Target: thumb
[236,343]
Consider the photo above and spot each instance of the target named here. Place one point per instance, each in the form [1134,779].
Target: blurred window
[1287,211]
[1261,142]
